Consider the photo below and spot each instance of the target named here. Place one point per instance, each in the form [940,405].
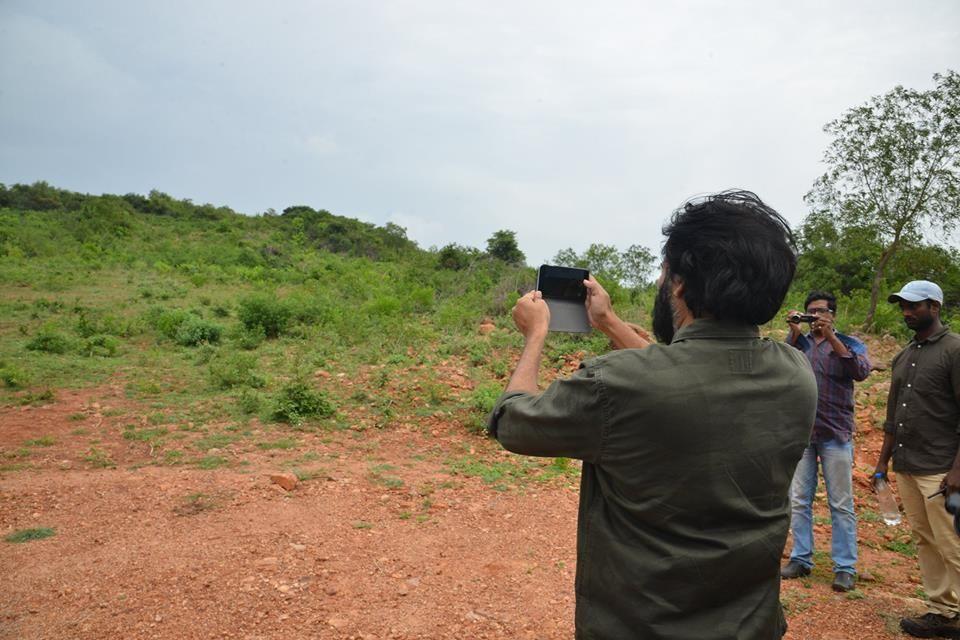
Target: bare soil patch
[391,533]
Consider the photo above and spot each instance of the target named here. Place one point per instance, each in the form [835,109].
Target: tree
[632,268]
[502,245]
[892,166]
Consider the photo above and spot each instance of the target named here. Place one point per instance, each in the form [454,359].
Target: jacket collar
[707,329]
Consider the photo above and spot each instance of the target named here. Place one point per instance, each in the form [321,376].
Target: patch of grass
[360,524]
[27,535]
[906,548]
[209,463]
[173,457]
[490,472]
[215,441]
[856,594]
[43,441]
[130,432]
[282,443]
[868,515]
[823,520]
[13,377]
[77,417]
[98,459]
[36,397]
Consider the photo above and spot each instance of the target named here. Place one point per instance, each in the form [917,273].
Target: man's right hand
[599,308]
[795,329]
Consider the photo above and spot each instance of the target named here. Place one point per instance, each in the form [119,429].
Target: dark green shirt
[688,454]
[923,408]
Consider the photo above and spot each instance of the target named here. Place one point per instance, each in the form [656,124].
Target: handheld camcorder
[801,317]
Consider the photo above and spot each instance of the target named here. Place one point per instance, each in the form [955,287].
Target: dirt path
[385,539]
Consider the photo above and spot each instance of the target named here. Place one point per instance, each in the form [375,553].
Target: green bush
[232,369]
[249,339]
[249,402]
[167,321]
[297,401]
[13,377]
[485,396]
[100,345]
[266,312]
[194,331]
[49,341]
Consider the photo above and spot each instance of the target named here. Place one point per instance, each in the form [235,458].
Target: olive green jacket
[688,453]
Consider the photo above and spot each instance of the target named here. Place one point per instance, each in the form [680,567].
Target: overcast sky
[566,122]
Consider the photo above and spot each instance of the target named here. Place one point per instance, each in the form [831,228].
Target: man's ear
[678,287]
[934,307]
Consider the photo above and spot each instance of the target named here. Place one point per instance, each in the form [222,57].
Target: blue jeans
[836,459]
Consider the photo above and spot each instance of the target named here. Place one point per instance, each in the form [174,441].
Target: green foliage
[233,369]
[891,169]
[13,377]
[264,313]
[502,245]
[632,268]
[485,396]
[168,321]
[297,400]
[28,535]
[100,345]
[194,331]
[48,340]
[456,257]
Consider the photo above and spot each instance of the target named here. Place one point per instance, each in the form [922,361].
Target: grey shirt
[688,451]
[923,408]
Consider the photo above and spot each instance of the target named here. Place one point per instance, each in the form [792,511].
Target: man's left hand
[951,481]
[825,324]
[532,316]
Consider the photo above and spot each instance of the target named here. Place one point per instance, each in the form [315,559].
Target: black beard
[917,326]
[663,315]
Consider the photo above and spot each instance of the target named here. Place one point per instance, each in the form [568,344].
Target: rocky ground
[421,530]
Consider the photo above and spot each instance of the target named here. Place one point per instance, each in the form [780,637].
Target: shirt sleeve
[892,397]
[857,364]
[567,420]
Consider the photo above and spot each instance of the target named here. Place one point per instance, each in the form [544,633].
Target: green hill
[201,311]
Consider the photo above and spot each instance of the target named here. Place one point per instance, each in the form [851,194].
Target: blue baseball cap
[916,291]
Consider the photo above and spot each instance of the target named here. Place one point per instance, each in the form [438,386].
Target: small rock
[298,547]
[286,480]
[338,623]
[320,373]
[267,563]
[158,618]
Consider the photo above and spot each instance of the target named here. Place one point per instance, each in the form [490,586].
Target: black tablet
[566,296]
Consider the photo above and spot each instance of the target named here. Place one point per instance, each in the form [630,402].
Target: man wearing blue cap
[922,434]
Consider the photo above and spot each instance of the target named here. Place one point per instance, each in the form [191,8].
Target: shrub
[234,369]
[264,311]
[297,401]
[100,345]
[167,321]
[249,402]
[194,331]
[13,377]
[49,341]
[249,339]
[485,397]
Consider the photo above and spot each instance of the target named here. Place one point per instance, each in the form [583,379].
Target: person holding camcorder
[837,361]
